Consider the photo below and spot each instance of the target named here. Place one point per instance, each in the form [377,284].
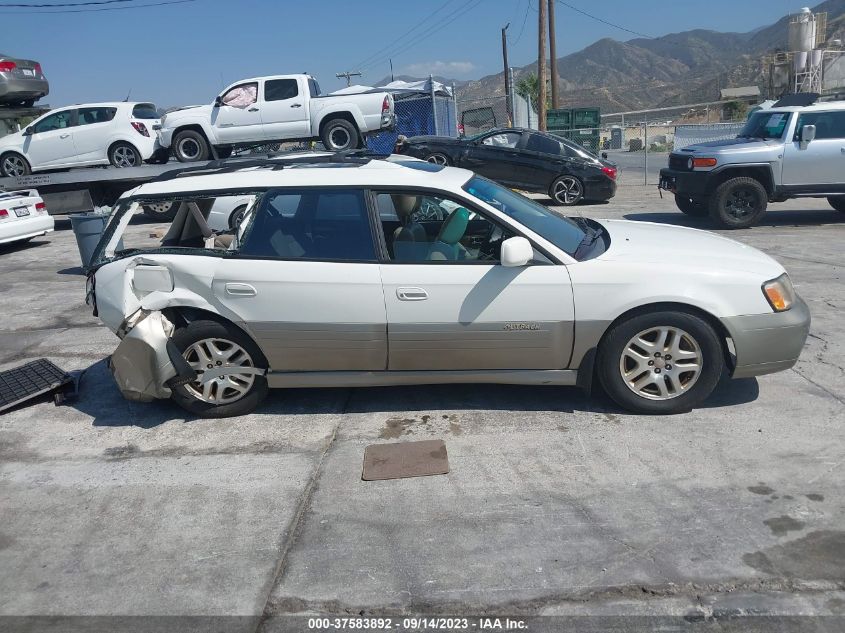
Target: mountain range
[679,68]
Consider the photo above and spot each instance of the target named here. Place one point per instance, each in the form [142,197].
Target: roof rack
[797,99]
[229,165]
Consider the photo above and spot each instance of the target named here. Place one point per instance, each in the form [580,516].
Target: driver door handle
[253,110]
[411,294]
[296,105]
[240,290]
[64,135]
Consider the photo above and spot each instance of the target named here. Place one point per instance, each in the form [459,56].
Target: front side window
[280,89]
[503,139]
[241,96]
[87,116]
[57,121]
[564,233]
[829,125]
[765,124]
[422,227]
[330,224]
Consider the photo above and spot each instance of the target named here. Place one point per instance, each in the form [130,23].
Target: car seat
[447,246]
[410,242]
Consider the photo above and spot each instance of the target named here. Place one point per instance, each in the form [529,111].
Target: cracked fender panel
[141,365]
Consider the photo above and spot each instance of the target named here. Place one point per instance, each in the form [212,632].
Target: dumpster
[88,227]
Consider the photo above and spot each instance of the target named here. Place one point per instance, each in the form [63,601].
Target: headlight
[779,293]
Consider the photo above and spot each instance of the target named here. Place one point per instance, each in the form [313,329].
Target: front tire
[690,206]
[14,165]
[837,203]
[660,362]
[211,345]
[738,203]
[190,146]
[123,155]
[567,190]
[339,135]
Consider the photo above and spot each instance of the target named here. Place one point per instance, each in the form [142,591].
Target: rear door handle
[253,110]
[240,290]
[64,135]
[296,105]
[411,294]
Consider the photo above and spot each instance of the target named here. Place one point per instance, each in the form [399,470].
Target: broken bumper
[141,364]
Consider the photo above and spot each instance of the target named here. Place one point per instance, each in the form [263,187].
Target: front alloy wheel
[14,166]
[661,363]
[567,191]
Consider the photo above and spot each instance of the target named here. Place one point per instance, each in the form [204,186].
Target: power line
[603,21]
[524,20]
[92,9]
[62,4]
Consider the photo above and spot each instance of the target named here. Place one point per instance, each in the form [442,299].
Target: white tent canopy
[398,87]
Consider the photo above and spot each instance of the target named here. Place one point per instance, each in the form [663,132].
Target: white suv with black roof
[347,271]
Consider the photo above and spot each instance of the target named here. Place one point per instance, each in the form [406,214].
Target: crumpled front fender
[141,364]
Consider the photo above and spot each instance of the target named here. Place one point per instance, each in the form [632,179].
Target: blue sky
[184,53]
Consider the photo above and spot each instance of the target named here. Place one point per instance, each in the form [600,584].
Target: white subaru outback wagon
[355,271]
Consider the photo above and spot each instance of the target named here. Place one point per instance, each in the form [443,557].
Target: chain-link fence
[418,115]
[479,115]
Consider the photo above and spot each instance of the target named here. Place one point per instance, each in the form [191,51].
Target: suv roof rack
[229,165]
[801,99]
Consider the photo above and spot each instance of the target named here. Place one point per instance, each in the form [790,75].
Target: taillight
[40,207]
[610,172]
[4,215]
[140,128]
[385,105]
[38,68]
[6,67]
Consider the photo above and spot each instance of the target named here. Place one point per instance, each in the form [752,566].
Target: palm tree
[529,87]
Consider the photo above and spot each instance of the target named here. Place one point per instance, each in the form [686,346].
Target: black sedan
[522,159]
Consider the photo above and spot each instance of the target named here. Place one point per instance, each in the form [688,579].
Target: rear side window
[87,116]
[828,124]
[145,111]
[543,144]
[280,89]
[311,224]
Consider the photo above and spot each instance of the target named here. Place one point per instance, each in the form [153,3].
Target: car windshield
[765,125]
[564,233]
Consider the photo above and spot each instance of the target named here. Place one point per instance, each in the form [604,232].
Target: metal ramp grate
[30,381]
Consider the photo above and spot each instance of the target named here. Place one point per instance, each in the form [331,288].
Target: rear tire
[738,203]
[837,203]
[123,155]
[204,343]
[339,135]
[190,146]
[567,190]
[653,375]
[690,206]
[14,165]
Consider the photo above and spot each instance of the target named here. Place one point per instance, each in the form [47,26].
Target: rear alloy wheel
[190,146]
[438,159]
[14,165]
[229,366]
[738,203]
[339,135]
[661,362]
[567,190]
[837,203]
[690,206]
[124,155]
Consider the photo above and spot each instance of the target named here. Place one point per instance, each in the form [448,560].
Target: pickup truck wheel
[190,146]
[660,362]
[690,206]
[738,203]
[14,165]
[212,346]
[837,203]
[339,135]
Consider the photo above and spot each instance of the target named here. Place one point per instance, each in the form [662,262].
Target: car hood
[675,246]
[203,111]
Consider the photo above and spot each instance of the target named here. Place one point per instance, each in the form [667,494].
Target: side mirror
[28,131]
[516,251]
[218,101]
[808,133]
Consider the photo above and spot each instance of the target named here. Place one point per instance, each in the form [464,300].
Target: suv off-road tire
[194,140]
[198,331]
[837,203]
[691,206]
[738,203]
[616,341]
[339,135]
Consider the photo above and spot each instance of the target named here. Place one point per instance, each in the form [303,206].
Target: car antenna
[127,95]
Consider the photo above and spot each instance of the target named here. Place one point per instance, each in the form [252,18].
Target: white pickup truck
[272,109]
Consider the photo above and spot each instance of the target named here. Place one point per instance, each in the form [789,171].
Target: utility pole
[541,69]
[508,86]
[348,75]
[553,54]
